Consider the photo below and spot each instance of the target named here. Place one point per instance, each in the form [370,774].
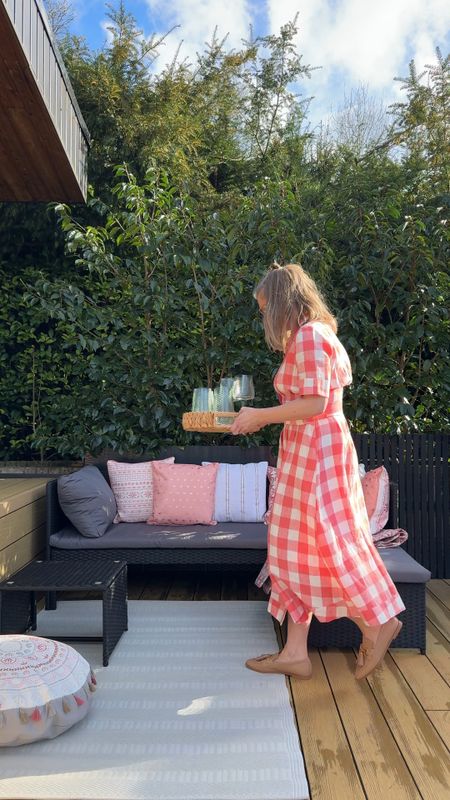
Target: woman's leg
[293,659]
[368,631]
[296,647]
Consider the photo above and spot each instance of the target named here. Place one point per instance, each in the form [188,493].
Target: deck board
[441,721]
[438,651]
[380,762]
[209,587]
[441,590]
[234,587]
[423,749]
[330,764]
[438,614]
[424,679]
[182,589]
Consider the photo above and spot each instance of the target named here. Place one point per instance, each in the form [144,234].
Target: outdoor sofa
[230,546]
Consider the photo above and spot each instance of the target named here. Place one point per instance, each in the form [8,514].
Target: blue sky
[353,41]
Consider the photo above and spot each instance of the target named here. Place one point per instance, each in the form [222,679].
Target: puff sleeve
[312,362]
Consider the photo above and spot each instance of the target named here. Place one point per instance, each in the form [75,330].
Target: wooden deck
[387,738]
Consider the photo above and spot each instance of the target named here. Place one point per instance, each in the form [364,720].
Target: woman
[321,557]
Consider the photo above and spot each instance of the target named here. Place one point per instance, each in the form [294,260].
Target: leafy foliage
[112,317]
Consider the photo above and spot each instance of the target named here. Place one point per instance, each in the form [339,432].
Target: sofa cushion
[241,535]
[87,500]
[402,567]
[244,535]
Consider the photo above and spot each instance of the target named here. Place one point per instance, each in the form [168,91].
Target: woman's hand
[249,420]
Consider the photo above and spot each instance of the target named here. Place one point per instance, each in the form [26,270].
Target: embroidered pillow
[241,492]
[272,476]
[183,494]
[132,485]
[375,484]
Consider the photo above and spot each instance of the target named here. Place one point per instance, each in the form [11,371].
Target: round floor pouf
[45,688]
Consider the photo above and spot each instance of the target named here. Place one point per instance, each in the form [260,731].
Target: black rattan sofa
[229,546]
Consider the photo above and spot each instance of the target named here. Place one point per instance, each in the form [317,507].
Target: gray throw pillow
[87,500]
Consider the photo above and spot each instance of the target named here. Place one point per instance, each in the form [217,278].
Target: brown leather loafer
[372,653]
[270,663]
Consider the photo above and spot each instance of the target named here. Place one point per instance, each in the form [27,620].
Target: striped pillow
[241,492]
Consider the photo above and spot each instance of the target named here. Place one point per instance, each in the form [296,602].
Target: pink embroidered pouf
[45,688]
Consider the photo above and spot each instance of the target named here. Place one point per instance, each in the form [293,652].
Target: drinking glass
[202,399]
[243,388]
[223,399]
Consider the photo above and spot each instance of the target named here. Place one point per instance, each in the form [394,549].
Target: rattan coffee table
[109,578]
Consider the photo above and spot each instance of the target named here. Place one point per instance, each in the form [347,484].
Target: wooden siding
[22,522]
[43,137]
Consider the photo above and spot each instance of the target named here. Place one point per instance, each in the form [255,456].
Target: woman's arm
[250,420]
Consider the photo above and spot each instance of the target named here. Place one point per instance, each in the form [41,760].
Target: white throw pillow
[241,491]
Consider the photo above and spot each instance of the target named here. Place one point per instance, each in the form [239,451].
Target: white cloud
[362,41]
[197,20]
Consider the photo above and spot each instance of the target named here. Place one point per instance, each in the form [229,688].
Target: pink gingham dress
[321,557]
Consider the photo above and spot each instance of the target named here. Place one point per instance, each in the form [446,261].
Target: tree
[361,122]
[422,124]
[61,15]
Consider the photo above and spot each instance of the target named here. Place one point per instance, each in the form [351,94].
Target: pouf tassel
[92,687]
[23,716]
[66,707]
[50,710]
[36,715]
[79,701]
[93,679]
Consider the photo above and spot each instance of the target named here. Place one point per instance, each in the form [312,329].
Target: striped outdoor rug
[176,715]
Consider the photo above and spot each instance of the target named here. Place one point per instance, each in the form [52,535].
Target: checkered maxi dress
[321,556]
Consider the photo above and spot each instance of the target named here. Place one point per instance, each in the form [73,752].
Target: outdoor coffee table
[18,594]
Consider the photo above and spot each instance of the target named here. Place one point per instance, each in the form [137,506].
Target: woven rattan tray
[208,421]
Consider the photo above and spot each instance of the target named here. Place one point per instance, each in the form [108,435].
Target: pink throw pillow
[272,475]
[375,486]
[132,486]
[183,494]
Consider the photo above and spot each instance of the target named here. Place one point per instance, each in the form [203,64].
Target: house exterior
[44,140]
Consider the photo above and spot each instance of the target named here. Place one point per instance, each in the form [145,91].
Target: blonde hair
[292,298]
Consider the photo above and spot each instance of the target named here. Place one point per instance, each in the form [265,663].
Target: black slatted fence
[419,465]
